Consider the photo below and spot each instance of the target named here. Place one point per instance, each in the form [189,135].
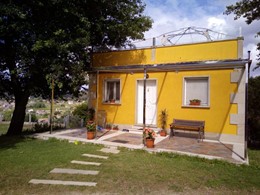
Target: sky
[172,15]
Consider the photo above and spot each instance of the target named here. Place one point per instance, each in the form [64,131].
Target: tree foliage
[249,9]
[46,40]
[254,107]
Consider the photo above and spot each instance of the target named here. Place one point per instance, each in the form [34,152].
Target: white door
[151,102]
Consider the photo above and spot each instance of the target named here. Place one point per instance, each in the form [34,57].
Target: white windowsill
[110,103]
[194,106]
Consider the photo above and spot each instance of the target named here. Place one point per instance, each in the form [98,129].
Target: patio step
[85,163]
[59,182]
[95,156]
[74,171]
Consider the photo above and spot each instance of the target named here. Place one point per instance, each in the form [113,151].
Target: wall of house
[224,116]
[217,50]
[217,115]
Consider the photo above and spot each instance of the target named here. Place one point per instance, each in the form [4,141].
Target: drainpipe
[144,101]
[97,97]
[246,114]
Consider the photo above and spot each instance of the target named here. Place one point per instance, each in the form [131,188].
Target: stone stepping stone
[113,150]
[59,182]
[85,163]
[74,171]
[95,156]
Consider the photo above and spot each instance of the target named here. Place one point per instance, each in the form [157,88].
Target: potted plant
[90,114]
[112,101]
[149,137]
[91,128]
[115,127]
[108,126]
[163,120]
[195,102]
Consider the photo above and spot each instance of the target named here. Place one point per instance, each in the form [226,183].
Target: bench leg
[171,133]
[201,136]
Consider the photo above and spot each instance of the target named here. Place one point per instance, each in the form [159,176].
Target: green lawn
[129,172]
[3,128]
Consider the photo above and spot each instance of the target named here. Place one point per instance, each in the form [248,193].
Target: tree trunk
[17,121]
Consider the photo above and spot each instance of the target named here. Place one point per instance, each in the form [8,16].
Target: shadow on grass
[7,142]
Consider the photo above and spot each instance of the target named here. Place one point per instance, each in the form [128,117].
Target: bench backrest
[188,123]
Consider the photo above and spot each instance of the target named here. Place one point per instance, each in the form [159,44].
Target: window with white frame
[111,91]
[196,88]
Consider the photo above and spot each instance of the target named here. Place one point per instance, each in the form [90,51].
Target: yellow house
[213,72]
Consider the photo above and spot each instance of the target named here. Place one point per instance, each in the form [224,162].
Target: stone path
[85,163]
[74,171]
[112,150]
[59,182]
[95,156]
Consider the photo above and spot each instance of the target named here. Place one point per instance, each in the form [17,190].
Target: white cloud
[172,15]
[216,24]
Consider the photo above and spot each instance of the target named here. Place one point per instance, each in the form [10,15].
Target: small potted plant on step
[108,126]
[163,120]
[115,127]
[91,129]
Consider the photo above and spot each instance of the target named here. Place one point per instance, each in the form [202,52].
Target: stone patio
[180,143]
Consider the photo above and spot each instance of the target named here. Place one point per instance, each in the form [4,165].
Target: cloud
[172,15]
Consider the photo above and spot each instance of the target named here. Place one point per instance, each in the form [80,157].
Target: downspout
[246,114]
[144,101]
[96,110]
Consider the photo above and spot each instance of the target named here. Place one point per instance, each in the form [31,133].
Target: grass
[129,172]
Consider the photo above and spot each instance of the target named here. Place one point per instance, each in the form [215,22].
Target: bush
[7,115]
[42,127]
[81,111]
[38,104]
[33,117]
[74,122]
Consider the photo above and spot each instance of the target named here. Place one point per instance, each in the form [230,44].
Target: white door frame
[136,105]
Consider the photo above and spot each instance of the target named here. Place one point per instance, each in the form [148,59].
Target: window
[196,88]
[112,91]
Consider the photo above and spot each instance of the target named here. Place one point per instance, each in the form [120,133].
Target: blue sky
[171,15]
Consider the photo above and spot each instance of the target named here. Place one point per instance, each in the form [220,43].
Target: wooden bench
[188,125]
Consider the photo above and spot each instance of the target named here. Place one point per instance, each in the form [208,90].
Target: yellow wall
[170,84]
[218,50]
[170,94]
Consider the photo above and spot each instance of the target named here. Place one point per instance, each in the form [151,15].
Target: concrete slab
[212,147]
[85,163]
[112,150]
[59,182]
[74,171]
[95,156]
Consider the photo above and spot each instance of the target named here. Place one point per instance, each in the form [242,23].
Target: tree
[46,40]
[254,108]
[249,9]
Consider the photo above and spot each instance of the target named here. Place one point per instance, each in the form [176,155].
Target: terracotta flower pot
[91,135]
[195,103]
[163,133]
[150,143]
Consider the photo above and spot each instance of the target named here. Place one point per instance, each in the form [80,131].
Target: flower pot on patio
[163,133]
[90,135]
[150,143]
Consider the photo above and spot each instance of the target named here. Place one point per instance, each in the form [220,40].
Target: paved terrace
[182,143]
